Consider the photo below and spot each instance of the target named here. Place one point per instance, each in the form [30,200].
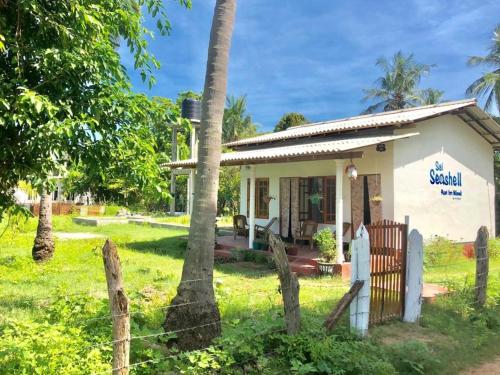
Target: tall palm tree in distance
[194,305]
[398,87]
[431,96]
[237,123]
[488,85]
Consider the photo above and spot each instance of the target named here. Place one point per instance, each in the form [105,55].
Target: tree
[132,175]
[290,119]
[195,299]
[488,85]
[228,197]
[431,96]
[398,87]
[66,97]
[237,124]
[43,248]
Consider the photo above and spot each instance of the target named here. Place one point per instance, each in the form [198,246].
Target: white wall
[371,163]
[450,141]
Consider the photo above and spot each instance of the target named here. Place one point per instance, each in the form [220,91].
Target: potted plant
[327,246]
[260,244]
[377,199]
[315,198]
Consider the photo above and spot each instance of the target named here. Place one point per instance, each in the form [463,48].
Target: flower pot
[259,245]
[326,268]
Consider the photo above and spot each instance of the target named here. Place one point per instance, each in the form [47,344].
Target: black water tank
[191,109]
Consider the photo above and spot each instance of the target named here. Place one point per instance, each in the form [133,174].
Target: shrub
[326,243]
[494,248]
[439,250]
[111,210]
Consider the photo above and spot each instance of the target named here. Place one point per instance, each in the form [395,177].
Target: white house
[432,164]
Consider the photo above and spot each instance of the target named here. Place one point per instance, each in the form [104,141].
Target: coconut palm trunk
[194,303]
[43,248]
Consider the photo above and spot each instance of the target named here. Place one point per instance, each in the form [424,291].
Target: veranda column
[251,209]
[192,172]
[172,174]
[339,210]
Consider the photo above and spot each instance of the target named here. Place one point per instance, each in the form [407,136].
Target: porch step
[304,269]
[431,291]
[222,253]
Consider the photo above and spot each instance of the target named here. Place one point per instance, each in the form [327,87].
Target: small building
[431,165]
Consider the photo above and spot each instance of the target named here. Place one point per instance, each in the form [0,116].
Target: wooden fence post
[289,285]
[482,265]
[360,270]
[333,318]
[414,277]
[119,306]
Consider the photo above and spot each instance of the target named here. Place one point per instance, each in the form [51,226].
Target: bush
[326,243]
[112,210]
[440,250]
[494,248]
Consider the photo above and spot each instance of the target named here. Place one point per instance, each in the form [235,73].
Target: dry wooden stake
[333,318]
[289,285]
[119,306]
[482,265]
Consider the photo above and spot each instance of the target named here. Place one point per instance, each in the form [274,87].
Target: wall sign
[450,183]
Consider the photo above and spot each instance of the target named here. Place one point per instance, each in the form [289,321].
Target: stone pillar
[251,209]
[339,210]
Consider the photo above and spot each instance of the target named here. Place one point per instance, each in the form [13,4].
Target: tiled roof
[323,147]
[403,116]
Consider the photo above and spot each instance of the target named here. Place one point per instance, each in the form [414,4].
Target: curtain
[294,205]
[374,189]
[284,206]
[357,202]
[360,200]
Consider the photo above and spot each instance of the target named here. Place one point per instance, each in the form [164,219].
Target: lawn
[54,317]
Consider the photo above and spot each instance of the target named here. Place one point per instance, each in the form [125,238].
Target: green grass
[152,263]
[247,294]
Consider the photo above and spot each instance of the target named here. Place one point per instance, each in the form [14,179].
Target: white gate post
[360,270]
[414,277]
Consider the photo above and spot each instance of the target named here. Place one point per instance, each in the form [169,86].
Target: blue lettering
[443,178]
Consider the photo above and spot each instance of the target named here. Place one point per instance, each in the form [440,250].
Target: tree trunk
[196,286]
[43,248]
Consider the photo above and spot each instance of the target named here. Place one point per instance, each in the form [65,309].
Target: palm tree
[237,123]
[489,84]
[431,96]
[43,248]
[398,87]
[290,119]
[194,303]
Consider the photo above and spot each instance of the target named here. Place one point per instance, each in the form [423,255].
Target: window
[261,198]
[317,199]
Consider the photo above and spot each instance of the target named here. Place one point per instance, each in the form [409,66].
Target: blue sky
[316,56]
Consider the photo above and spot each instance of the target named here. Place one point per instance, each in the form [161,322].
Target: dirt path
[488,368]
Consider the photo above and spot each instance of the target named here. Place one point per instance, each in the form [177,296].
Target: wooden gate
[388,245]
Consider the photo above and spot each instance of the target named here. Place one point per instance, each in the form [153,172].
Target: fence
[388,245]
[121,312]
